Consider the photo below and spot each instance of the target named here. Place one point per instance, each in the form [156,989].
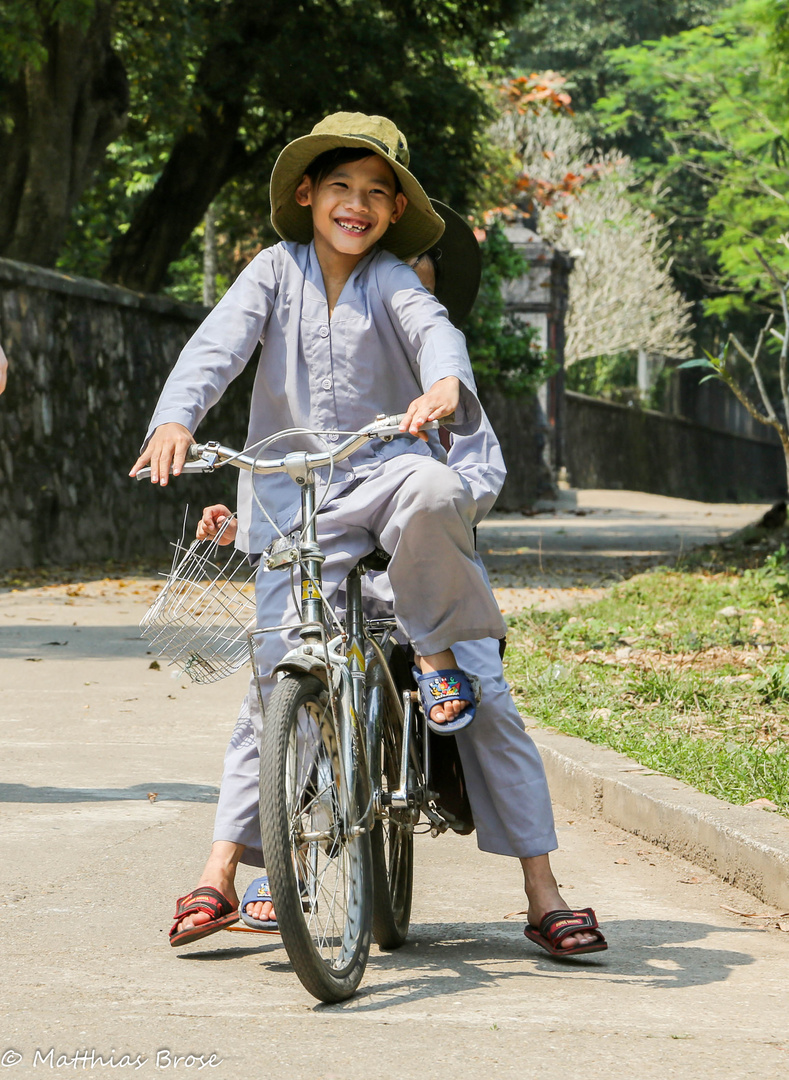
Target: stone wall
[525,435]
[86,365]
[616,446]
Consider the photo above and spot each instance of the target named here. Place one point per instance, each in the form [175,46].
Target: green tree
[576,37]
[217,86]
[63,99]
[709,109]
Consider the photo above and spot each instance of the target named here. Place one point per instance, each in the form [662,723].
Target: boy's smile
[352,207]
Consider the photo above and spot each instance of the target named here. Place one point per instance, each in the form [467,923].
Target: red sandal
[203,898]
[558,925]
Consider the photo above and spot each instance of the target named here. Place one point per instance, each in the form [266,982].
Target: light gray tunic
[388,341]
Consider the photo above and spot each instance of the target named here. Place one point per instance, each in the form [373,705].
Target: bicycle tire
[392,839]
[321,888]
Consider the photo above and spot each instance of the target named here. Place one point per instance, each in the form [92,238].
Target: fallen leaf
[152,796]
[615,843]
[783,926]
[620,861]
[690,881]
[154,666]
[33,659]
[762,804]
[56,643]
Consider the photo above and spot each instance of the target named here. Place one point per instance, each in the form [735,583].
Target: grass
[685,670]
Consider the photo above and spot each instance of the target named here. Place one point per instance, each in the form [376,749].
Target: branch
[754,361]
[773,422]
[784,352]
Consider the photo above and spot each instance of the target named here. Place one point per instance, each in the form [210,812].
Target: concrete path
[110,771]
[587,539]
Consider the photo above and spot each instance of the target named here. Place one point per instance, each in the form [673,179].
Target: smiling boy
[346,333]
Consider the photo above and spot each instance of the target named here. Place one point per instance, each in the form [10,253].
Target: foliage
[708,114]
[613,376]
[22,30]
[504,351]
[685,672]
[721,367]
[577,37]
[772,577]
[218,86]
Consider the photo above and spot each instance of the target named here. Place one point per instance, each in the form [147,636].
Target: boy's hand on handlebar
[167,448]
[440,400]
[212,521]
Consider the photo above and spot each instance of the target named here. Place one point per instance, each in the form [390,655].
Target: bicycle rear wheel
[392,838]
[319,868]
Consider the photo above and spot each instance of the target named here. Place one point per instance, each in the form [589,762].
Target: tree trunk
[62,118]
[204,156]
[209,258]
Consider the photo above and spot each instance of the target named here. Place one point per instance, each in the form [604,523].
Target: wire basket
[200,620]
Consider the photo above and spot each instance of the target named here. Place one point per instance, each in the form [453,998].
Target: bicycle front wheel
[317,859]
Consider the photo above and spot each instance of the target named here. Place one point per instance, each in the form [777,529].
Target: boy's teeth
[352,228]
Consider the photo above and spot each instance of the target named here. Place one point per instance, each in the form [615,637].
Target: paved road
[588,539]
[90,868]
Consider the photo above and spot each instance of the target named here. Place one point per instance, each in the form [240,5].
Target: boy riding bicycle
[347,332]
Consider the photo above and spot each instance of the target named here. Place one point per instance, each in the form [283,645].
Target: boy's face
[352,206]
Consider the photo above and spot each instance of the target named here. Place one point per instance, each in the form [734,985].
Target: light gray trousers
[420,511]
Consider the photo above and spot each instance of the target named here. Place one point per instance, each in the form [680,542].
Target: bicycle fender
[303,665]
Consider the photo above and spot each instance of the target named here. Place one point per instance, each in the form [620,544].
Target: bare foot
[261,909]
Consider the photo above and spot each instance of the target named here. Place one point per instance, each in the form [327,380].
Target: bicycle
[345,763]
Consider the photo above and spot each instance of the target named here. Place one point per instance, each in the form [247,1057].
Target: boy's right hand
[211,522]
[167,447]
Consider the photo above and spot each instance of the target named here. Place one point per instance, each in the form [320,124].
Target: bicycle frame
[343,673]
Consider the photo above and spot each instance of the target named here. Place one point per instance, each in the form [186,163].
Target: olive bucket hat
[418,228]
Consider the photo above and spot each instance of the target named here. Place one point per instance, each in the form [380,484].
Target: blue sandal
[258,891]
[436,687]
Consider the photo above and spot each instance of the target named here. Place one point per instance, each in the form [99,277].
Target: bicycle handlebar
[205,457]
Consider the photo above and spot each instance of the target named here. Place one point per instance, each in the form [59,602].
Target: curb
[747,847]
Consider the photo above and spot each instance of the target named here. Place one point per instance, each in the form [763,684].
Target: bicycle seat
[376,560]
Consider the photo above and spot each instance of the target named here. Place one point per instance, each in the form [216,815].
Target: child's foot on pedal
[448,698]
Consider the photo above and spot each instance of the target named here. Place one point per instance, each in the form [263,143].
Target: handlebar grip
[397,419]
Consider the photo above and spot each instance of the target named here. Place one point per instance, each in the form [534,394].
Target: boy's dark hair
[325,163]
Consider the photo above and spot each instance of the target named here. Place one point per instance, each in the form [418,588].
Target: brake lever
[188,466]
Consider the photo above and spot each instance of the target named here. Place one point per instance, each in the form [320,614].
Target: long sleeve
[220,349]
[478,459]
[440,347]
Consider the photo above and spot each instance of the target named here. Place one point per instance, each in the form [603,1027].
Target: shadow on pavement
[642,953]
[22,793]
[446,958]
[53,642]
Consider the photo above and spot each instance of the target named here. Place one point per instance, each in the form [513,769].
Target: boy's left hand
[441,400]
